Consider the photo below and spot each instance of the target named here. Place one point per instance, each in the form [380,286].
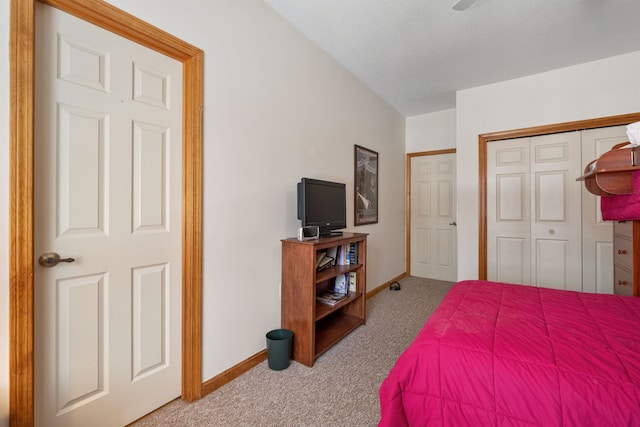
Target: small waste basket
[279,348]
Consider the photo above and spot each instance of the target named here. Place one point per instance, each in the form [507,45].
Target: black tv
[323,204]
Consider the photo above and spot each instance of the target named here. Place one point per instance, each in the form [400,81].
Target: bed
[495,354]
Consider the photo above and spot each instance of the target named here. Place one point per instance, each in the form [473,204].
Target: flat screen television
[322,204]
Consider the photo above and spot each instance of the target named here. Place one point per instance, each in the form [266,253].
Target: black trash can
[279,348]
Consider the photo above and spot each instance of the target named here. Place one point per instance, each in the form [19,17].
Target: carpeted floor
[341,389]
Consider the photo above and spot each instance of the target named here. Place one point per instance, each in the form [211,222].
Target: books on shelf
[353,253]
[333,252]
[342,255]
[341,283]
[326,262]
[323,260]
[340,289]
[331,298]
[347,254]
[352,282]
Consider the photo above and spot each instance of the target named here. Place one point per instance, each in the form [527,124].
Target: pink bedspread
[495,354]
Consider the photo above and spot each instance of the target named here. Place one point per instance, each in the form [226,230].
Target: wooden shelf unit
[611,173]
[317,326]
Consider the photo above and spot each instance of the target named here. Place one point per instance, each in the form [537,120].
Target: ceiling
[416,54]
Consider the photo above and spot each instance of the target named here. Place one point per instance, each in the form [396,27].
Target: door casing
[21,235]
[518,133]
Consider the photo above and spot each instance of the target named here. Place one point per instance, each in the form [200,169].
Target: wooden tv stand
[317,326]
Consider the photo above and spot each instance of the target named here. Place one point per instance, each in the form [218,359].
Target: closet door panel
[508,215]
[512,255]
[556,215]
[597,246]
[552,269]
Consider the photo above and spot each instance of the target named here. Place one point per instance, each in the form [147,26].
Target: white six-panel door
[433,216]
[533,211]
[543,227]
[107,194]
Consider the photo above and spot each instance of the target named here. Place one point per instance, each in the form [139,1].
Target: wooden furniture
[626,258]
[611,173]
[317,326]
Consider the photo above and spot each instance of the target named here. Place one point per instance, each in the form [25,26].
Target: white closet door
[597,246]
[508,211]
[533,211]
[543,227]
[556,217]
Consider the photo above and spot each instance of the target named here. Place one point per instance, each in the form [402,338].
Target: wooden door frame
[483,139]
[408,201]
[21,262]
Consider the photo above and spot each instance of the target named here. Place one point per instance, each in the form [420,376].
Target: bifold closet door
[533,211]
[597,235]
[543,227]
[556,215]
[508,211]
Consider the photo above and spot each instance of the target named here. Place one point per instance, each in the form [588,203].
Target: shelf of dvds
[316,325]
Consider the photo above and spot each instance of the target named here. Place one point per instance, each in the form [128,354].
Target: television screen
[322,204]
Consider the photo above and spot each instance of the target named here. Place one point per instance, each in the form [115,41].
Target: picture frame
[365,192]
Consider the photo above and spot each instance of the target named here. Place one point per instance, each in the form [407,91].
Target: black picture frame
[365,180]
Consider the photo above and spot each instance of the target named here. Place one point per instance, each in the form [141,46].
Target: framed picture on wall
[366,186]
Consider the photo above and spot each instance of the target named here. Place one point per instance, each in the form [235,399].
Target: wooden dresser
[626,258]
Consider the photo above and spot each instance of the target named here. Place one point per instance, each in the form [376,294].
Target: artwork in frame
[366,186]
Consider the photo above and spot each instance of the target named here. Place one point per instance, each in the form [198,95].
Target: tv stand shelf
[323,310]
[317,326]
[333,329]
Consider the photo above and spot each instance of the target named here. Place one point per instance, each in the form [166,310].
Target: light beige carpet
[341,389]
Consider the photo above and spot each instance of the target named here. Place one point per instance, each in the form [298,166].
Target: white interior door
[433,217]
[107,194]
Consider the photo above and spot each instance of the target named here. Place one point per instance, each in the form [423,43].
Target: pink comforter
[495,354]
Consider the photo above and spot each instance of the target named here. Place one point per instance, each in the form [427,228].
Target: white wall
[433,131]
[4,213]
[276,109]
[597,89]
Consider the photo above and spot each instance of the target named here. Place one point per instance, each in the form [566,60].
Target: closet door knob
[621,251]
[622,282]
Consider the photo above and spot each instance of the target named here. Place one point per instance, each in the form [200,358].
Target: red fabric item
[495,354]
[622,207]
